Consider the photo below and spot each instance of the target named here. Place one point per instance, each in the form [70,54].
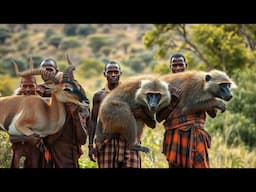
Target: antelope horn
[68,73]
[16,67]
[68,59]
[26,73]
[31,63]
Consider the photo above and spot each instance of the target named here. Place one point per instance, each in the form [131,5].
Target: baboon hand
[140,114]
[221,105]
[92,153]
[212,113]
[151,123]
[163,113]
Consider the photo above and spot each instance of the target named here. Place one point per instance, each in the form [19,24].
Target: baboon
[200,90]
[117,109]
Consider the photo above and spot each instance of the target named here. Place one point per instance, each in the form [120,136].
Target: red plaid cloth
[114,153]
[185,141]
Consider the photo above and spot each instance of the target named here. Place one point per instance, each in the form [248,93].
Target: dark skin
[178,65]
[112,74]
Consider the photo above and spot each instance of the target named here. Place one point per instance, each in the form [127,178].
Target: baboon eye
[228,85]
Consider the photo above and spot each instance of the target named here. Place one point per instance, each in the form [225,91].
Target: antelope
[28,115]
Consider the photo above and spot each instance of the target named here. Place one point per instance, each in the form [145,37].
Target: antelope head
[70,84]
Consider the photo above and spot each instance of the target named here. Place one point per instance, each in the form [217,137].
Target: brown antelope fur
[33,115]
[200,90]
[116,110]
[27,115]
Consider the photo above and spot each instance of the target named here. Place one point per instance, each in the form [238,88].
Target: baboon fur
[116,110]
[200,90]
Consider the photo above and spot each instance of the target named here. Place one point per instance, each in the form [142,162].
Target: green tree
[4,34]
[91,67]
[70,29]
[97,41]
[214,46]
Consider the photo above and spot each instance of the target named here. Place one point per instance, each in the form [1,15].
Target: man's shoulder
[99,95]
[99,91]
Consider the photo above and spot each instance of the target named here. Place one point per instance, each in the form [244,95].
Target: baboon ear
[143,82]
[208,77]
[139,85]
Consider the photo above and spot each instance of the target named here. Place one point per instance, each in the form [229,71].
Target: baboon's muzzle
[153,100]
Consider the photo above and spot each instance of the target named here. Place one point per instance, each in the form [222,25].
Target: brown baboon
[200,90]
[117,109]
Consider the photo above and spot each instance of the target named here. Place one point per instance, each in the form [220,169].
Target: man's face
[112,73]
[28,88]
[178,65]
[50,69]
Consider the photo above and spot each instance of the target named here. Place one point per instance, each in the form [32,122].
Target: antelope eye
[68,89]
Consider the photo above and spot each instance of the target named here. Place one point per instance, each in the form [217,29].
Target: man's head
[28,85]
[50,65]
[112,72]
[178,63]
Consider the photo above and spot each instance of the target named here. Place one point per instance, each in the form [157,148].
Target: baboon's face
[153,100]
[153,94]
[220,90]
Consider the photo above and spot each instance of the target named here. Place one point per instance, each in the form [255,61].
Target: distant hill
[97,42]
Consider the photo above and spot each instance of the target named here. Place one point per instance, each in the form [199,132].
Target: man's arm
[92,125]
[32,139]
[175,98]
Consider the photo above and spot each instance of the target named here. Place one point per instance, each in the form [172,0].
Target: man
[29,147]
[65,145]
[186,141]
[49,64]
[111,151]
[178,63]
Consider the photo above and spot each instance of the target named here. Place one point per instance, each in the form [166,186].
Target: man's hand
[176,91]
[71,108]
[92,153]
[40,90]
[32,139]
[175,95]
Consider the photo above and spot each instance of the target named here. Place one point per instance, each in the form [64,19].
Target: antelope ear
[51,86]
